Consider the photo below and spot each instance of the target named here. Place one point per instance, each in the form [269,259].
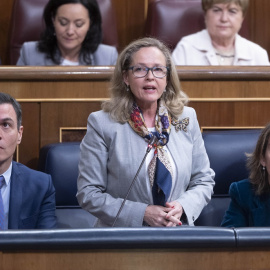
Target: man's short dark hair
[7,99]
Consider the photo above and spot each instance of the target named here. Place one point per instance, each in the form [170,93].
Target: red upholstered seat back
[27,24]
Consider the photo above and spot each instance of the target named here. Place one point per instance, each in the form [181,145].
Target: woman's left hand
[174,214]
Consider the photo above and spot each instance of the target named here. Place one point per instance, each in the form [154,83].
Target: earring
[263,172]
[165,90]
[127,88]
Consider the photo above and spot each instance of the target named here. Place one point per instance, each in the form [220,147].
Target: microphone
[150,146]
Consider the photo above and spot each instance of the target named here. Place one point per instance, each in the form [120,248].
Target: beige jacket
[197,50]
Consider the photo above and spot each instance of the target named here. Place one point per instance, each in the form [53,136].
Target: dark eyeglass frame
[147,70]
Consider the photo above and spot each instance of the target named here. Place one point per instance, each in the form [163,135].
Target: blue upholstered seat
[60,160]
[226,150]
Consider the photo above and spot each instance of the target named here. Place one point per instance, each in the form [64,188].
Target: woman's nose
[70,29]
[224,15]
[150,75]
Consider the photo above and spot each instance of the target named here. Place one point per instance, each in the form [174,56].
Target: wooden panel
[203,259]
[65,114]
[55,82]
[5,15]
[53,89]
[229,89]
[72,134]
[259,19]
[232,113]
[130,20]
[30,145]
[93,82]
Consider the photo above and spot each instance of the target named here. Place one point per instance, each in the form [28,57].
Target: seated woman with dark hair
[72,37]
[250,198]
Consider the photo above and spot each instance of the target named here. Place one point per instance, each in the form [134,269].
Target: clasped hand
[160,216]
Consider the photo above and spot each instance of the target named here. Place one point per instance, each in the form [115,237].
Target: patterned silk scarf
[159,169]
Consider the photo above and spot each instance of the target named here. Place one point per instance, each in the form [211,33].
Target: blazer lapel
[260,214]
[138,150]
[180,154]
[173,147]
[15,200]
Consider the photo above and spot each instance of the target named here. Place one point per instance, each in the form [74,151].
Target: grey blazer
[111,154]
[105,55]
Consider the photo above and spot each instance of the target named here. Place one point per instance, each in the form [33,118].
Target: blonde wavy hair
[120,104]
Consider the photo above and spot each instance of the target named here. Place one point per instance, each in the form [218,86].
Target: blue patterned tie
[163,178]
[2,212]
[162,184]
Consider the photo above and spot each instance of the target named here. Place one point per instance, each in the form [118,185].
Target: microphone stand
[150,146]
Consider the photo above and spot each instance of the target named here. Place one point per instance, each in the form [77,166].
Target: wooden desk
[186,248]
[203,259]
[55,99]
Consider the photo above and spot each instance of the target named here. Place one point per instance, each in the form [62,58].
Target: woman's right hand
[155,216]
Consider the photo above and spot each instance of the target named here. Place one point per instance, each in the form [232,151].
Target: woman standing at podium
[146,111]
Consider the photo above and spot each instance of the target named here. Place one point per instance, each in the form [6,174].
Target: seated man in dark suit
[27,197]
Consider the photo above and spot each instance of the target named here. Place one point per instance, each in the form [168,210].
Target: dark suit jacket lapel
[15,200]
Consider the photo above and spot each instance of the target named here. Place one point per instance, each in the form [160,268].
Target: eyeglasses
[140,72]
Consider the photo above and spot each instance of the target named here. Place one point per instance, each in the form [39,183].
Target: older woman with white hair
[220,43]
